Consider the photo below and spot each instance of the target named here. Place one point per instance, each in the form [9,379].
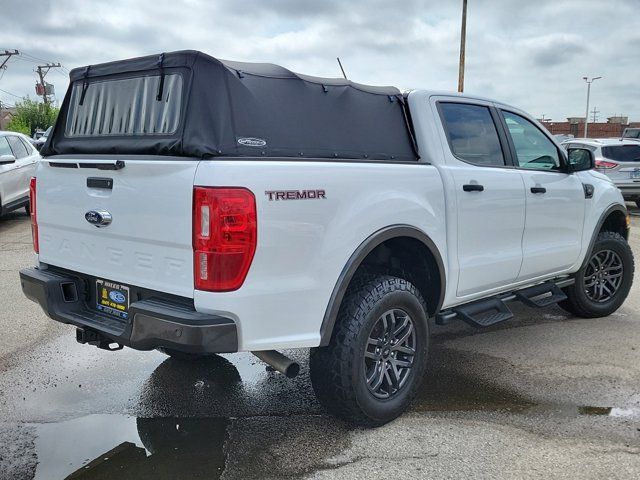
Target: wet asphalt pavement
[544,395]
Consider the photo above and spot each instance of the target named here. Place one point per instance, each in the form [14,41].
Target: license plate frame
[113,298]
[635,174]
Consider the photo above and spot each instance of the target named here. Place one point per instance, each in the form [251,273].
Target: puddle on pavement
[179,425]
[187,415]
[609,411]
[114,446]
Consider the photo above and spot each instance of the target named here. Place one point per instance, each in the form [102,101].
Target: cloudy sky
[529,53]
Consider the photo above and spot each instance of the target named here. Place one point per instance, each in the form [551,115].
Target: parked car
[631,133]
[224,206]
[617,158]
[42,139]
[18,161]
[37,134]
[562,137]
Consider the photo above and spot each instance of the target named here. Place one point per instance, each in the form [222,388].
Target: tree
[31,115]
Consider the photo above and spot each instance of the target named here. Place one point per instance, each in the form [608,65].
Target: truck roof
[191,57]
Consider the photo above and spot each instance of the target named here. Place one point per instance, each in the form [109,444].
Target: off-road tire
[338,370]
[579,303]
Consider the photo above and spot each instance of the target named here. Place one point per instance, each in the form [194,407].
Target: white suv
[17,165]
[619,159]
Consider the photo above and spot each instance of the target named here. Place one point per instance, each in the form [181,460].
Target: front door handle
[538,190]
[473,187]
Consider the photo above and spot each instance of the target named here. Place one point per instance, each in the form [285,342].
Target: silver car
[17,165]
[619,159]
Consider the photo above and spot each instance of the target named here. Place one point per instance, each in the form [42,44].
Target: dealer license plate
[112,298]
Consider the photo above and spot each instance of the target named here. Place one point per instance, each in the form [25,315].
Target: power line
[27,57]
[12,94]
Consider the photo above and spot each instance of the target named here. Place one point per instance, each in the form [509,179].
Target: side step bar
[540,296]
[484,313]
[492,310]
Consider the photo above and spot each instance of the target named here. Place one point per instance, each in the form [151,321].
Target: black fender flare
[603,218]
[377,238]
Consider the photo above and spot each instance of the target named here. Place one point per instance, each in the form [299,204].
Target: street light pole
[463,38]
[586,117]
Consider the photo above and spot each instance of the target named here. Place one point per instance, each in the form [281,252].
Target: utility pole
[463,41]
[594,114]
[586,117]
[7,54]
[42,72]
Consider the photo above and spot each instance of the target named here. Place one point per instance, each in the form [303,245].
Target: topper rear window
[134,106]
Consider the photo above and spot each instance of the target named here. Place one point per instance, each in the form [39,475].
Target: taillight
[605,164]
[34,216]
[224,237]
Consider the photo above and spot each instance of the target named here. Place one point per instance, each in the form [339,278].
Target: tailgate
[149,240]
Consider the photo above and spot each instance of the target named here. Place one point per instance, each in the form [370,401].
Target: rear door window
[472,134]
[622,153]
[137,106]
[19,150]
[28,146]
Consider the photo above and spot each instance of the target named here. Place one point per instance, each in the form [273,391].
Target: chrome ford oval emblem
[99,218]
[117,296]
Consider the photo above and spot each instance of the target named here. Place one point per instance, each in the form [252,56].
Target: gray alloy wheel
[604,282]
[388,358]
[377,357]
[603,276]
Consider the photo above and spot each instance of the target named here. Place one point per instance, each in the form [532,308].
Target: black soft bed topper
[187,103]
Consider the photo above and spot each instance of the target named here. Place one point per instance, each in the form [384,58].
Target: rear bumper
[158,321]
[630,192]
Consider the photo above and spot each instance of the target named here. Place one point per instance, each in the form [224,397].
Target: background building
[6,114]
[613,127]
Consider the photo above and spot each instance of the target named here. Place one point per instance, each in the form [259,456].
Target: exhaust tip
[279,362]
[292,370]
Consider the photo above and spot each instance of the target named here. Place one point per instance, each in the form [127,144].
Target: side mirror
[7,159]
[581,159]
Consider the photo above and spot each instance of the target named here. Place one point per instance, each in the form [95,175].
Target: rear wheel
[372,369]
[603,284]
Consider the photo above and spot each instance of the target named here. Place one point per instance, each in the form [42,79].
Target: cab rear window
[622,153]
[135,106]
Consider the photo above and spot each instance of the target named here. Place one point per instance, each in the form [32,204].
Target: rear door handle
[538,190]
[473,187]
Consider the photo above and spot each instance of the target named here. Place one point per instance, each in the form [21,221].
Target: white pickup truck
[201,206]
